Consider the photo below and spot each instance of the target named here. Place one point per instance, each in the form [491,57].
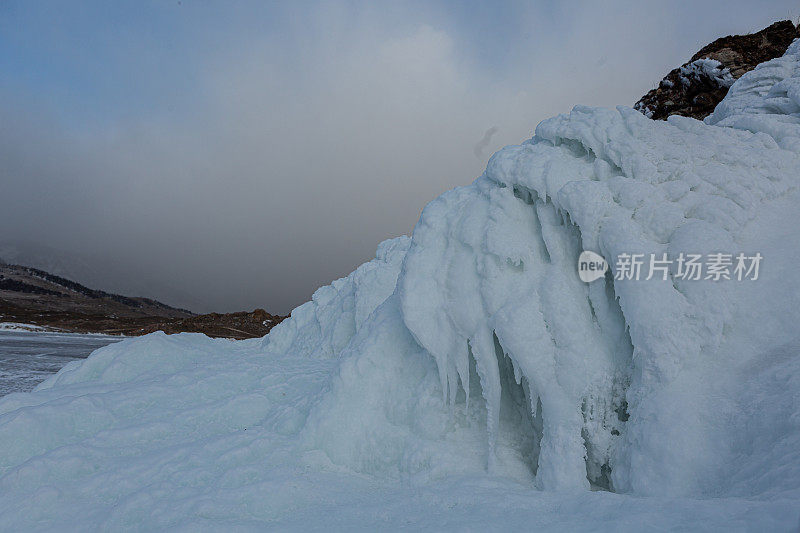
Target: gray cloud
[291,162]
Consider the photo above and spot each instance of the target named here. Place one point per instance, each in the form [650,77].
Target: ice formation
[448,381]
[491,272]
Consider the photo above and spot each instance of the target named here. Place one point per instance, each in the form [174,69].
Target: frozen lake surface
[28,357]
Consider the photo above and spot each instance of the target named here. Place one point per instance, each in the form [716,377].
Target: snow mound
[467,367]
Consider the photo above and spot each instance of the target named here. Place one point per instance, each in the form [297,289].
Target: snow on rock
[441,384]
[706,69]
[323,326]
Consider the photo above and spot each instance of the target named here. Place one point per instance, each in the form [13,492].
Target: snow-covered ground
[18,326]
[30,354]
[466,378]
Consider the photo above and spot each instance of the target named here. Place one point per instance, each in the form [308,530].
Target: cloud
[263,154]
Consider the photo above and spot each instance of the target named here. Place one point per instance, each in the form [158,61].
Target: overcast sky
[248,153]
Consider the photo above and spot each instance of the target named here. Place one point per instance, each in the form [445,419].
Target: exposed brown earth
[32,296]
[692,92]
[241,325]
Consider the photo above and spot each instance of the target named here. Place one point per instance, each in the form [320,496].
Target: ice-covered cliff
[467,376]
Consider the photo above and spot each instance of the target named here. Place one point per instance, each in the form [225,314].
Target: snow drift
[470,366]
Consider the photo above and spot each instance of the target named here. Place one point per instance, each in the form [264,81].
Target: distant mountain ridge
[42,290]
[137,303]
[97,272]
[34,296]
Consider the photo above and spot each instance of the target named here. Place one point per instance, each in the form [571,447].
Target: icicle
[462,365]
[489,374]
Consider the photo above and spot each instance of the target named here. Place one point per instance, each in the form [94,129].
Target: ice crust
[466,377]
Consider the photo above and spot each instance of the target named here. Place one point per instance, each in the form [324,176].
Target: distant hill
[34,296]
[97,272]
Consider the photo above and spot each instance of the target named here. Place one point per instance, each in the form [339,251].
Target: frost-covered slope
[447,382]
